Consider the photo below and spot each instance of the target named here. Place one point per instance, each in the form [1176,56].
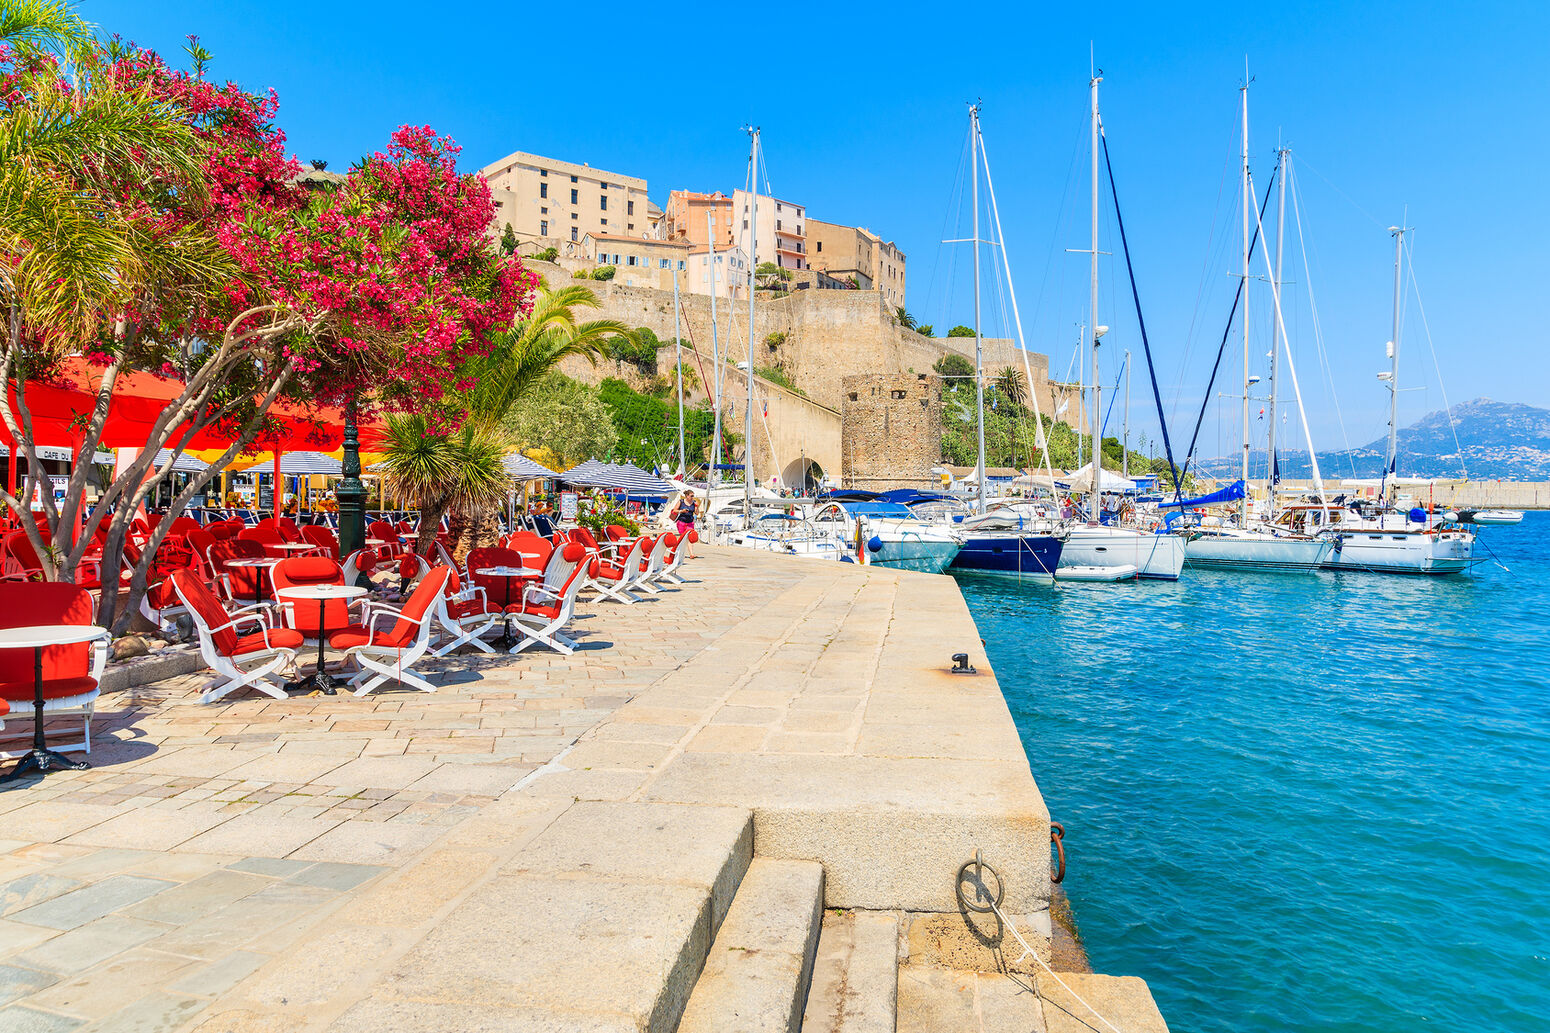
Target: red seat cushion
[359,635]
[544,610]
[279,638]
[5,708]
[53,688]
[611,571]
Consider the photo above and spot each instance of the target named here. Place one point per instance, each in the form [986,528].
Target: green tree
[1012,385]
[565,416]
[926,330]
[953,366]
[961,331]
[769,276]
[648,427]
[508,240]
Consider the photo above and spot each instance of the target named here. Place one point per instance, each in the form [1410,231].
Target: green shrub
[603,272]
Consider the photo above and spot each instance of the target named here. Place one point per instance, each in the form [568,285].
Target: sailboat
[1379,536]
[1248,544]
[1095,544]
[997,543]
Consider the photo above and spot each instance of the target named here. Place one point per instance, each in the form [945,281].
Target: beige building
[846,252]
[689,215]
[554,203]
[638,262]
[731,272]
[781,233]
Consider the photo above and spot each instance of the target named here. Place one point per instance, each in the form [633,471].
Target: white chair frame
[619,591]
[272,658]
[85,703]
[465,631]
[374,672]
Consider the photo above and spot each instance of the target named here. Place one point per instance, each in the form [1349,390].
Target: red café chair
[535,551]
[466,616]
[391,655]
[160,605]
[307,615]
[502,591]
[70,673]
[248,661]
[288,530]
[615,580]
[323,538]
[200,541]
[241,584]
[388,534]
[183,525]
[547,607]
[267,538]
[21,563]
[224,529]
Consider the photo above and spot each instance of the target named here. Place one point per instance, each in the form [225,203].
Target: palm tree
[451,473]
[1012,385]
[905,319]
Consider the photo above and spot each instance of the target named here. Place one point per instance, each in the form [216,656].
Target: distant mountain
[1496,440]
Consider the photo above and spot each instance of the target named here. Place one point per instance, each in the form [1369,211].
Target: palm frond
[49,25]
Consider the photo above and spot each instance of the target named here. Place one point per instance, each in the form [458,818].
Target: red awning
[60,409]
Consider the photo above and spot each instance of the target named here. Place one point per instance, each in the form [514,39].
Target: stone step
[757,974]
[941,1000]
[601,922]
[855,975]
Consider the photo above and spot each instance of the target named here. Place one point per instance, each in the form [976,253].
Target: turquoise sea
[1300,802]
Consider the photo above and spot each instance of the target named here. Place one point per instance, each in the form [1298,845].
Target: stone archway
[803,476]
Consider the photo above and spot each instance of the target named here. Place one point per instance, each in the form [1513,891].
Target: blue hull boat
[1010,555]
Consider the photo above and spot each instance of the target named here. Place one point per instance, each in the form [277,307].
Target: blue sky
[1434,109]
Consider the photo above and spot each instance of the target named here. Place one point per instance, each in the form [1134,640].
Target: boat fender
[846,559]
[1418,515]
[874,544]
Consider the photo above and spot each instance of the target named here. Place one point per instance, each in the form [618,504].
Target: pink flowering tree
[241,284]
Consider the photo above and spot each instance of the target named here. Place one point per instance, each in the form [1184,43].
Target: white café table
[38,638]
[320,678]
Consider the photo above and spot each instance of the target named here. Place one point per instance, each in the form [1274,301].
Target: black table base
[319,680]
[40,758]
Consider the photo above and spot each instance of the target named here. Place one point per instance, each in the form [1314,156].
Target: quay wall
[1471,494]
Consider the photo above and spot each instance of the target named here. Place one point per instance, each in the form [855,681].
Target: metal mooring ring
[975,871]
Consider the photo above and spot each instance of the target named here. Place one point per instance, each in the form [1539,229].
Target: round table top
[267,561]
[508,572]
[321,592]
[376,541]
[294,545]
[38,635]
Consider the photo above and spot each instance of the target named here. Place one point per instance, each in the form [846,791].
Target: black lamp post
[351,492]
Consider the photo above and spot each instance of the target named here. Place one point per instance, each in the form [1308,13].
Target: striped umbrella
[522,468]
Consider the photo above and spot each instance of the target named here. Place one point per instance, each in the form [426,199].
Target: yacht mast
[1248,215]
[712,478]
[1125,446]
[753,265]
[979,371]
[678,354]
[1081,387]
[1095,513]
[1272,473]
[1389,471]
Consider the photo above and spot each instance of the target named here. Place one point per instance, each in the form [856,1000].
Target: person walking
[684,515]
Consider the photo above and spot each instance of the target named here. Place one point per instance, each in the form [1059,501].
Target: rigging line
[949,219]
[1447,408]
[1318,327]
[1146,345]
[1205,262]
[1374,219]
[1237,299]
[1050,261]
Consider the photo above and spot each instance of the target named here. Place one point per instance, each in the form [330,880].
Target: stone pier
[740,805]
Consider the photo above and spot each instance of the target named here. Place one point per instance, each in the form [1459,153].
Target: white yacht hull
[1252,551]
[806,546]
[1157,556]
[913,553]
[1402,552]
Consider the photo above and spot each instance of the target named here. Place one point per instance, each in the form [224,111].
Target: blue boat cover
[910,496]
[1232,493]
[847,495]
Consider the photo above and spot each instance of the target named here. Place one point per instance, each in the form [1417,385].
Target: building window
[629,260]
[745,224]
[573,179]
[573,215]
[573,233]
[543,190]
[777,225]
[543,227]
[574,194]
[541,172]
[629,208]
[603,221]
[602,202]
[631,226]
[543,211]
[820,247]
[661,263]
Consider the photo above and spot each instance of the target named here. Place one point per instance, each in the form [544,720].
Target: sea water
[1300,801]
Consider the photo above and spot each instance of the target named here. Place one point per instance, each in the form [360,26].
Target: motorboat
[1156,555]
[1123,572]
[791,534]
[888,533]
[1490,516]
